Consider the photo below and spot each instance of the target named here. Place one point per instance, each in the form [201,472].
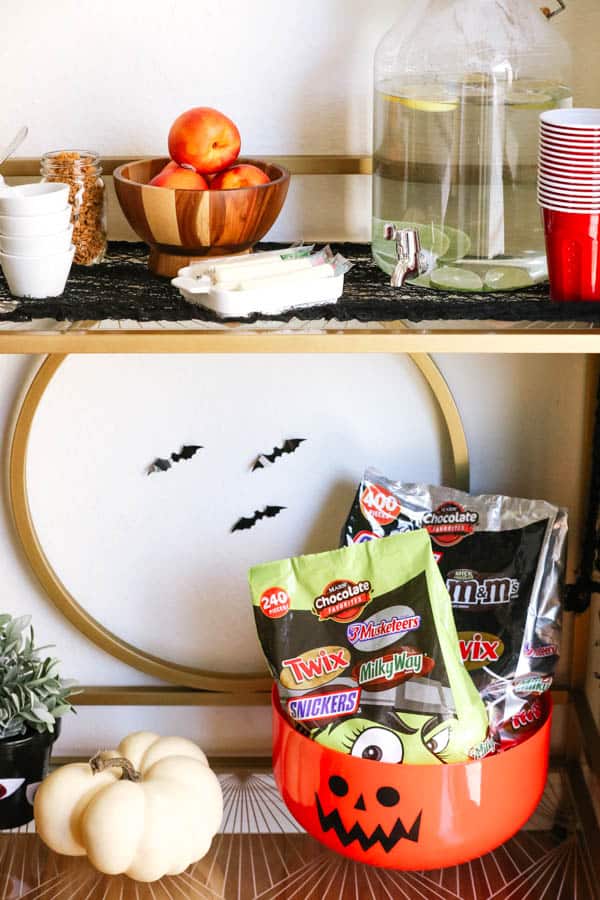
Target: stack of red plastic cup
[569,194]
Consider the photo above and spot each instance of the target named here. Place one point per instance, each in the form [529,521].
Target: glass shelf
[262,852]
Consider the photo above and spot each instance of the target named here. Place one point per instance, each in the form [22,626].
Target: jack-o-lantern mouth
[346,837]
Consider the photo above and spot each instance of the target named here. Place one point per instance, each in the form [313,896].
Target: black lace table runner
[122,288]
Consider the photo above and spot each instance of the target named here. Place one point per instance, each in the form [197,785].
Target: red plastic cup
[568,161]
[587,137]
[577,119]
[567,193]
[573,251]
[575,177]
[566,151]
[409,817]
[558,184]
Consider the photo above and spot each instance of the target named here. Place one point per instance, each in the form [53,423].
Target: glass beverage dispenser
[459,86]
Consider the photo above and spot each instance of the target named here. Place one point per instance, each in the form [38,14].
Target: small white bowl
[38,245]
[37,277]
[33,199]
[28,226]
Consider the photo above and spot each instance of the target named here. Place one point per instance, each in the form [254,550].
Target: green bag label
[363,647]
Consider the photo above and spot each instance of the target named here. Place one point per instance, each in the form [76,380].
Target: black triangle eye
[338,786]
[388,796]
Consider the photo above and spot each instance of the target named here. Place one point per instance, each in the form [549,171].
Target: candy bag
[502,560]
[363,648]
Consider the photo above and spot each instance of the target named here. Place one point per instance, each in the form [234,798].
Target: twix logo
[478,649]
[320,665]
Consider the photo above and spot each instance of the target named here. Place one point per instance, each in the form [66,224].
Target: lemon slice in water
[425,98]
[507,278]
[529,100]
[449,278]
[460,244]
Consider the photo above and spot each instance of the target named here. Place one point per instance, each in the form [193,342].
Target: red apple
[240,176]
[205,139]
[177,178]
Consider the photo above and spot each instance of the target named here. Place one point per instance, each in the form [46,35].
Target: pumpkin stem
[98,764]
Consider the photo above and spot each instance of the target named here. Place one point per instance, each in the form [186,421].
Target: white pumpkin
[156,824]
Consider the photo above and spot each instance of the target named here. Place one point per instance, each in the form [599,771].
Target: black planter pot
[24,762]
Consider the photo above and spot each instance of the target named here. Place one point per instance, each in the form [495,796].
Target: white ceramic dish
[33,199]
[190,284]
[30,226]
[264,301]
[38,245]
[37,277]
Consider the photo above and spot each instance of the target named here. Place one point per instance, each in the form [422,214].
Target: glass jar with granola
[81,170]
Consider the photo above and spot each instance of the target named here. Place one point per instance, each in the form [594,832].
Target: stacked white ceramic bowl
[36,252]
[569,163]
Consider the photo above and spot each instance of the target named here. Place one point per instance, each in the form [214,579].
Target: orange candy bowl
[409,817]
[181,226]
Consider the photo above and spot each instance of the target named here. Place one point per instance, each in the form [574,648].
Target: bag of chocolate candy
[502,560]
[363,647]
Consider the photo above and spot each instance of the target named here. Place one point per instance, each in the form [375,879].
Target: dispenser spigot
[411,259]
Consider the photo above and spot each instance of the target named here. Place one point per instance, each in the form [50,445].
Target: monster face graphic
[367,818]
[409,738]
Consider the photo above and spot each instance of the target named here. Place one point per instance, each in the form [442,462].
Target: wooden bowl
[182,226]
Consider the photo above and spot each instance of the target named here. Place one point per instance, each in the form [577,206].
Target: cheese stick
[259,269]
[283,281]
[202,267]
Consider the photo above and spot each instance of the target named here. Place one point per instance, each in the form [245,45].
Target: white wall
[295,76]
[297,79]
[104,523]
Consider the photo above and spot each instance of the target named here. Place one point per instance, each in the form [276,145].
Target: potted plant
[32,699]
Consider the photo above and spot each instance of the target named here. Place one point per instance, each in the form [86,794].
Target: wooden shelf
[389,337]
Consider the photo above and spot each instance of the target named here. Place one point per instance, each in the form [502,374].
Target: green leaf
[61,710]
[19,624]
[42,715]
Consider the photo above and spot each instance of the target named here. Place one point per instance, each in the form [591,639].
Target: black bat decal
[269,512]
[163,465]
[186,452]
[289,446]
[159,465]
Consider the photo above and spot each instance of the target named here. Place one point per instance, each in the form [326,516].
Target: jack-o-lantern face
[366,818]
